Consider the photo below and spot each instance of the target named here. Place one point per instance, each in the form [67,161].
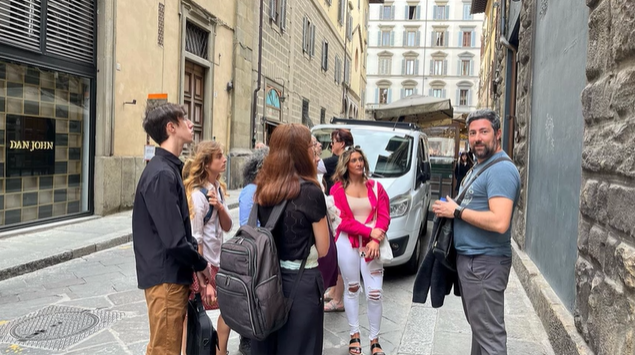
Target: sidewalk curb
[75,253]
[79,252]
[556,319]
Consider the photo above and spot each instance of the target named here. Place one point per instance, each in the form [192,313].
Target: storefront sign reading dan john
[30,146]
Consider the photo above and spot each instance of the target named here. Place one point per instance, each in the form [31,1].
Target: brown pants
[167,306]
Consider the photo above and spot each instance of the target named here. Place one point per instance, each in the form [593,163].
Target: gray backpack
[249,283]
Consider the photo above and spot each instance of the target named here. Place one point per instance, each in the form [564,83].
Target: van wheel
[412,266]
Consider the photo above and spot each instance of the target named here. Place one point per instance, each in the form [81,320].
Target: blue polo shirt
[499,180]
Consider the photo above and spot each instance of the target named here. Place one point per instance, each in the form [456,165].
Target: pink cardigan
[351,226]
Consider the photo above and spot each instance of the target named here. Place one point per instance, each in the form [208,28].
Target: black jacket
[165,251]
[437,279]
[330,164]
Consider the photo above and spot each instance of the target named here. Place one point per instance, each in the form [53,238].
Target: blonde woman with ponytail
[203,171]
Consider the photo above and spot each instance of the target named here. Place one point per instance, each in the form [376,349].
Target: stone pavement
[42,246]
[104,283]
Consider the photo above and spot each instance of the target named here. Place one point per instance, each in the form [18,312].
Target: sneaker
[245,346]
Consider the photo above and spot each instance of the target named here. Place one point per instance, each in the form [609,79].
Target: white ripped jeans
[351,266]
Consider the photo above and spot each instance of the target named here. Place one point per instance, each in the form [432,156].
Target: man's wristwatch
[458,211]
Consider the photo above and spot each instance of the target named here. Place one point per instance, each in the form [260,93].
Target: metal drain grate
[57,327]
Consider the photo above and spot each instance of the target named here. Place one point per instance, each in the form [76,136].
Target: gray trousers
[483,280]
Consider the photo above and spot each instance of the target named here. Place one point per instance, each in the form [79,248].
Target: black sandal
[375,346]
[355,350]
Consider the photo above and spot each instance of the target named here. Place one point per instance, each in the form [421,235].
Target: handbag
[328,264]
[385,251]
[442,244]
[202,338]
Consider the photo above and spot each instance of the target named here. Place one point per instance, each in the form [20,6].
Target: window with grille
[70,29]
[322,115]
[161,23]
[196,40]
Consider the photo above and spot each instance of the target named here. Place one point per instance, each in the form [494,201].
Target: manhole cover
[57,327]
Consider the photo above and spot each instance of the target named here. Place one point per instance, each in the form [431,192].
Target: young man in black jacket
[165,252]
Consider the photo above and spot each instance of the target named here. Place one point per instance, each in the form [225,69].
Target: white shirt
[210,235]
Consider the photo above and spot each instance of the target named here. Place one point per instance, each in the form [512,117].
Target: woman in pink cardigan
[365,212]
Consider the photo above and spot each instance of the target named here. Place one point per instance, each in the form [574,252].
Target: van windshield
[389,154]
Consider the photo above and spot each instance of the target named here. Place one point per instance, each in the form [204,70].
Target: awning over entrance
[425,111]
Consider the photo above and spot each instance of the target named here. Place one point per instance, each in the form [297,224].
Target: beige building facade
[313,62]
[179,51]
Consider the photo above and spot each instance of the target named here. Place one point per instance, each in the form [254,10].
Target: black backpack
[249,283]
[202,338]
[211,208]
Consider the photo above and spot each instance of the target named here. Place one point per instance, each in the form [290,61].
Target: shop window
[43,143]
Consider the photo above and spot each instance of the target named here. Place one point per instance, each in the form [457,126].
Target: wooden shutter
[283,14]
[416,66]
[304,29]
[312,44]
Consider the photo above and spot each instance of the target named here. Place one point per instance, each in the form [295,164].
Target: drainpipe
[512,94]
[254,104]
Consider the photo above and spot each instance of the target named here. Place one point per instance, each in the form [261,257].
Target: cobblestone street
[106,281]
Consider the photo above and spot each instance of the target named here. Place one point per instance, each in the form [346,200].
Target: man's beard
[487,151]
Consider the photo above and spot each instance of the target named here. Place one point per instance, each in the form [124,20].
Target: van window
[389,154]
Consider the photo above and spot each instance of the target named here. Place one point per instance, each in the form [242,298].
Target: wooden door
[193,97]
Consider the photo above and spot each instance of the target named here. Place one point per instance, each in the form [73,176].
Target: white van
[398,157]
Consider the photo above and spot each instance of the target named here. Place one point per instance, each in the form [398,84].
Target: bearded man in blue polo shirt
[482,233]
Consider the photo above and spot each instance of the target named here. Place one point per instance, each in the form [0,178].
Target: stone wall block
[596,101]
[625,259]
[599,42]
[584,274]
[518,230]
[609,320]
[584,228]
[624,97]
[620,208]
[597,243]
[607,148]
[593,199]
[623,29]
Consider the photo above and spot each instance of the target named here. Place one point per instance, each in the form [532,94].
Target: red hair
[288,162]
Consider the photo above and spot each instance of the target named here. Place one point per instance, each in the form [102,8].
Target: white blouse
[210,235]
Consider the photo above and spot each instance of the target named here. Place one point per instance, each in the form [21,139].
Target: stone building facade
[605,272]
[595,313]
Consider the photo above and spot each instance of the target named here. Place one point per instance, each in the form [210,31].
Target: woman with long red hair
[288,173]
